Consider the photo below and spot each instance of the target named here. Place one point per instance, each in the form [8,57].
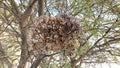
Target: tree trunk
[23,29]
[40,7]
[24,48]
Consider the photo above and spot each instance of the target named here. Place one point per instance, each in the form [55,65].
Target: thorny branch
[40,58]
[6,27]
[95,44]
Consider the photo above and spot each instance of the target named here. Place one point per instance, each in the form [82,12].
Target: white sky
[102,65]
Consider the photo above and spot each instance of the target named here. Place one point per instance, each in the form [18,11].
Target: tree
[98,38]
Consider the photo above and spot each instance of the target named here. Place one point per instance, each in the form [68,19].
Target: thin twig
[40,58]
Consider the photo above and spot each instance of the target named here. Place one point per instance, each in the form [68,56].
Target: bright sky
[102,65]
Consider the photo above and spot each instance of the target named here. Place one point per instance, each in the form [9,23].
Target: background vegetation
[99,19]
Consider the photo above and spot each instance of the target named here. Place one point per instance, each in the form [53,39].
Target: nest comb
[54,34]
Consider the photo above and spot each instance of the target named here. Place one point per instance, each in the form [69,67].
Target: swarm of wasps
[55,34]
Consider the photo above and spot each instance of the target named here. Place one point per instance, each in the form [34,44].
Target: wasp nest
[55,34]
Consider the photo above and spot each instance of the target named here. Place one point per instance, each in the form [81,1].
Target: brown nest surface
[54,34]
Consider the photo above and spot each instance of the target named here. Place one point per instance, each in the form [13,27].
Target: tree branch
[2,53]
[40,58]
[40,7]
[22,23]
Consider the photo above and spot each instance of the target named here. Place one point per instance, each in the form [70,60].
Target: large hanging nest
[54,34]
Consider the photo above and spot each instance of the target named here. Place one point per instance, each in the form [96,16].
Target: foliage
[99,37]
